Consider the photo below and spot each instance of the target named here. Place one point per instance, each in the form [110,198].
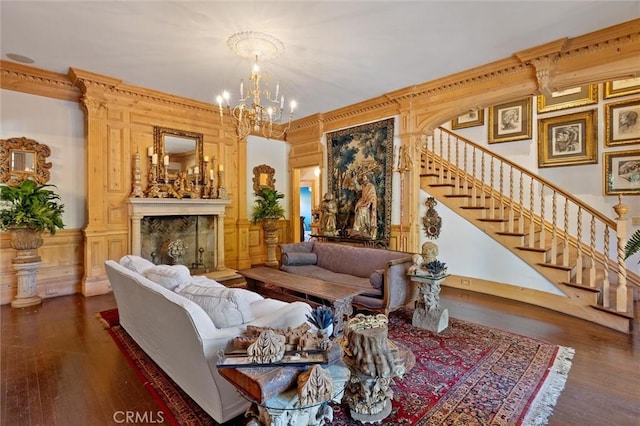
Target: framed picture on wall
[471,119]
[622,172]
[510,121]
[615,88]
[622,122]
[568,140]
[568,98]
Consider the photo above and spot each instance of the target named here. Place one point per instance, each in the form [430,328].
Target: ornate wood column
[94,104]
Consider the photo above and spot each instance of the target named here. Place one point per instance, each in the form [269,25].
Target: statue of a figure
[365,223]
[328,218]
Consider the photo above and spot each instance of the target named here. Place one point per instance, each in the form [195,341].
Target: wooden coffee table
[306,289]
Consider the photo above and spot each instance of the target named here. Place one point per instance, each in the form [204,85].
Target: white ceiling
[337,52]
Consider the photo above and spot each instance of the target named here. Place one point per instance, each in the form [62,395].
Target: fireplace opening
[187,240]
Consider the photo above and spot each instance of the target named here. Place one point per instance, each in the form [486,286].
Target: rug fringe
[542,405]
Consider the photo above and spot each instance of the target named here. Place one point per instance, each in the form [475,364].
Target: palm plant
[633,245]
[30,205]
[268,205]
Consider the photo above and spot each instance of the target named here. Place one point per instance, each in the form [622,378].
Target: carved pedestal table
[299,406]
[373,366]
[428,314]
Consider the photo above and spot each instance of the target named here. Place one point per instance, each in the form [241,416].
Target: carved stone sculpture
[315,385]
[268,348]
[373,367]
[429,314]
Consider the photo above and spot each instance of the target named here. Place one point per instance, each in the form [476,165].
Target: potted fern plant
[28,210]
[268,210]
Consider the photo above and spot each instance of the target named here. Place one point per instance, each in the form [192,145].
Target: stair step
[496,220]
[614,312]
[582,287]
[438,185]
[474,208]
[512,234]
[457,196]
[560,267]
[536,249]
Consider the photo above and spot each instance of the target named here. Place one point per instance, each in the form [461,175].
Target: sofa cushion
[314,271]
[227,307]
[358,261]
[136,263]
[377,278]
[168,276]
[303,247]
[296,259]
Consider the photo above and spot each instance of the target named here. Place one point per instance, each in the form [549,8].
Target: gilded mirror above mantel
[179,151]
[23,158]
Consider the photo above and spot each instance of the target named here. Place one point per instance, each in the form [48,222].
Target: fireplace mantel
[148,207]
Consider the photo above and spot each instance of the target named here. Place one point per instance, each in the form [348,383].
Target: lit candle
[221,169]
[277,89]
[281,102]
[241,89]
[196,170]
[219,100]
[190,171]
[211,174]
[166,160]
[293,105]
[206,158]
[149,151]
[154,159]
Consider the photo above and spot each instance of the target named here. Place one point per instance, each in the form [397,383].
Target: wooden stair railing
[569,234]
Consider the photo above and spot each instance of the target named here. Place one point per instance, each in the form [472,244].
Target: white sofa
[181,337]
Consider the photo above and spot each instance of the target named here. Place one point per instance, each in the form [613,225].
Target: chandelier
[258,110]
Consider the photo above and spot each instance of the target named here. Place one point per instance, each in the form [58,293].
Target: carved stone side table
[428,314]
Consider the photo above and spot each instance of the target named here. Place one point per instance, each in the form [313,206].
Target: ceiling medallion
[252,44]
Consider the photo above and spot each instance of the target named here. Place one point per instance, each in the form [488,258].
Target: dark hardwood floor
[60,367]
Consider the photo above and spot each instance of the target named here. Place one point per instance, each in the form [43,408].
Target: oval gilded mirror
[178,151]
[23,158]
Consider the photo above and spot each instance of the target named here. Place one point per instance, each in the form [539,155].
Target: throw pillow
[377,278]
[227,307]
[298,259]
[136,263]
[168,276]
[303,247]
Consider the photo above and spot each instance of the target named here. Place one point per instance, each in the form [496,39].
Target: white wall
[273,154]
[60,125]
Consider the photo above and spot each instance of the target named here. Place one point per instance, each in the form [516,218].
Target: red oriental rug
[468,374]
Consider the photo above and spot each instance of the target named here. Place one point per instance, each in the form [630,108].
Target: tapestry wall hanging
[360,162]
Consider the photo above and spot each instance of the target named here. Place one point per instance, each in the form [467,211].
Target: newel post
[621,210]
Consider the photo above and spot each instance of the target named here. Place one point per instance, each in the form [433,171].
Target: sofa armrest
[397,285]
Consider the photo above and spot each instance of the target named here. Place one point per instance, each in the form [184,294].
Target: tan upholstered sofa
[381,274]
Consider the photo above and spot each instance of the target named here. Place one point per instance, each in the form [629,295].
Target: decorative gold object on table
[136,190]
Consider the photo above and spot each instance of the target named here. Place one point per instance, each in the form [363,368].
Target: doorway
[306,186]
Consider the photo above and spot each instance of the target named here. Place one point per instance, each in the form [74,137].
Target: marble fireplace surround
[153,207]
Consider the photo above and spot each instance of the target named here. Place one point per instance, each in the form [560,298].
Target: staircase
[578,249]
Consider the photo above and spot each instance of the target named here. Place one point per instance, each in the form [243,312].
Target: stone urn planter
[28,210]
[268,211]
[26,242]
[270,226]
